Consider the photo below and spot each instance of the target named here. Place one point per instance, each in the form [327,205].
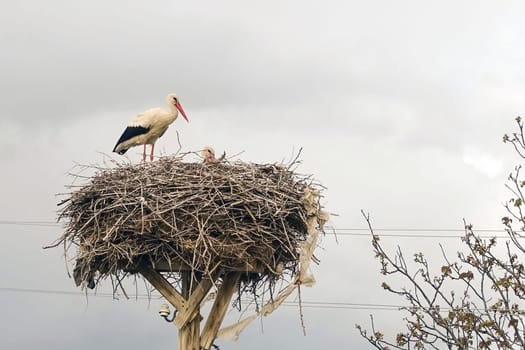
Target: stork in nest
[208,155]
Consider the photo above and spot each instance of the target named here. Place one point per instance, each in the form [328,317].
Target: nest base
[163,265]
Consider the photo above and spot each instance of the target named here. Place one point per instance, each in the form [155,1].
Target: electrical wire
[356,229]
[326,305]
[354,232]
[306,304]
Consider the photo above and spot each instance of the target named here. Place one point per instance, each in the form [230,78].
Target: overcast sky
[399,107]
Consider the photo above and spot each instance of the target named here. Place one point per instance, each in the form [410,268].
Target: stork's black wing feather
[129,133]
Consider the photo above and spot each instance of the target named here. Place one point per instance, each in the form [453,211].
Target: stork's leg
[144,154]
[151,154]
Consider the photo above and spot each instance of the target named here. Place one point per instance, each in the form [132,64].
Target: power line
[339,229]
[306,304]
[28,223]
[327,305]
[354,232]
[413,229]
[400,235]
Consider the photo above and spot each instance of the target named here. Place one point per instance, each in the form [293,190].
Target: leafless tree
[476,301]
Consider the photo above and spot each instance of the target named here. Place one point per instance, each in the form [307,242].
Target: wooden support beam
[163,286]
[219,308]
[191,308]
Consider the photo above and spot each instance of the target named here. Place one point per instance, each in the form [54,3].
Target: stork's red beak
[181,110]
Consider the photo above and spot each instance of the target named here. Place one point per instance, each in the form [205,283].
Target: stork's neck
[174,112]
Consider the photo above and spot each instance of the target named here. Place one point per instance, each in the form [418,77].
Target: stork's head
[208,154]
[173,100]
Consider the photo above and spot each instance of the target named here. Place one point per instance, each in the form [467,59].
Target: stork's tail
[129,133]
[120,150]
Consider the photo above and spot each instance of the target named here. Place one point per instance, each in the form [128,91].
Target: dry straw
[172,214]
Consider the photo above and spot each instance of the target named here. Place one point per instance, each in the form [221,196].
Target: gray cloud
[384,97]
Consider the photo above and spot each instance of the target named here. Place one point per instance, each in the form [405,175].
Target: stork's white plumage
[147,127]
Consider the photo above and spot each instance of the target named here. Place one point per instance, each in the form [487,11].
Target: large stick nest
[211,218]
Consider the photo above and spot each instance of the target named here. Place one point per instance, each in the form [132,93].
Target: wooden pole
[196,295]
[219,308]
[188,301]
[189,334]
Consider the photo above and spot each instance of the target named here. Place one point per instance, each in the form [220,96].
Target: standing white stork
[147,127]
